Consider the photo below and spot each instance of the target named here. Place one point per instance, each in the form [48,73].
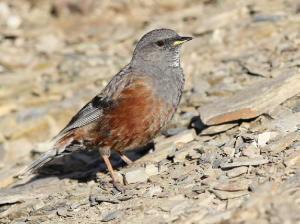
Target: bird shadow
[83,166]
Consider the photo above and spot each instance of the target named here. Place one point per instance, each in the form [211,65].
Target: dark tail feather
[66,146]
[47,157]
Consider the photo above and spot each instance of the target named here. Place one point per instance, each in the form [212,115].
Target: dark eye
[160,43]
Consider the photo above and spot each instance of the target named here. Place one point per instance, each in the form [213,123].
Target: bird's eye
[160,43]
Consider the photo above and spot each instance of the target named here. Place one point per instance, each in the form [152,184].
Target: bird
[136,105]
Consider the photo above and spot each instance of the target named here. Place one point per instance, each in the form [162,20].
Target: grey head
[160,47]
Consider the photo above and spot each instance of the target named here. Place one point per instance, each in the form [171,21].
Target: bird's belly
[133,122]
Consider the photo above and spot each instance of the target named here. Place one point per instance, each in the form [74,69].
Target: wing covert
[93,110]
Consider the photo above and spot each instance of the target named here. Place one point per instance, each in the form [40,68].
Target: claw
[105,184]
[122,188]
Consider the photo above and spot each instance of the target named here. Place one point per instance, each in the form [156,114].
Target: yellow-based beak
[181,40]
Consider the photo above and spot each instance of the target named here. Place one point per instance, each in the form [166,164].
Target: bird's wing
[93,110]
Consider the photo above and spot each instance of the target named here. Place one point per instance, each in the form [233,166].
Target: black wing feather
[93,110]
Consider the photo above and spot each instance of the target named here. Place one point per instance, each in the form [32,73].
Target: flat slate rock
[252,101]
[111,216]
[280,144]
[8,173]
[164,146]
[226,194]
[218,128]
[231,185]
[249,162]
[39,188]
[285,124]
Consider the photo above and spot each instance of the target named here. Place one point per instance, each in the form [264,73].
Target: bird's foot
[120,187]
[145,163]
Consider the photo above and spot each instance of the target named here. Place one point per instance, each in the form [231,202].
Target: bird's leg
[138,164]
[110,169]
[116,183]
[125,158]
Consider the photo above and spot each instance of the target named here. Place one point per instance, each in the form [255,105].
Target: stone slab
[218,128]
[281,143]
[249,162]
[252,101]
[40,188]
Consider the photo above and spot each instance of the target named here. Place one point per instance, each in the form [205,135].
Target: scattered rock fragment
[105,198]
[200,189]
[231,185]
[151,169]
[235,202]
[237,171]
[180,155]
[152,191]
[174,131]
[218,128]
[185,136]
[164,146]
[134,175]
[252,69]
[251,151]
[177,173]
[282,143]
[64,213]
[208,156]
[264,18]
[263,138]
[293,159]
[285,124]
[226,194]
[111,216]
[229,151]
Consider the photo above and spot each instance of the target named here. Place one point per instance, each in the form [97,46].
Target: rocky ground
[238,162]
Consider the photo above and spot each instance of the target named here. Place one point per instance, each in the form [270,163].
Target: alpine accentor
[136,105]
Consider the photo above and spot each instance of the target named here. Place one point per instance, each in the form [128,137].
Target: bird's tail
[64,146]
[47,157]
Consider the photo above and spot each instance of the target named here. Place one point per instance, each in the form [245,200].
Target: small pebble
[111,216]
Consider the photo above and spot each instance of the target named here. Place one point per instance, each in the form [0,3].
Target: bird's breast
[137,117]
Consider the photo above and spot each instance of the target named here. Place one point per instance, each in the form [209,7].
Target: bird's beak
[181,40]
